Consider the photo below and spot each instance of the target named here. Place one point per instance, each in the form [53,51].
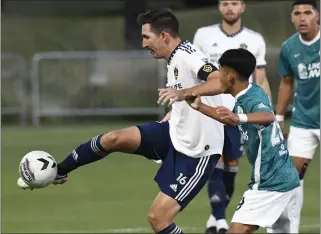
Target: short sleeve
[284,67]
[198,65]
[255,105]
[260,57]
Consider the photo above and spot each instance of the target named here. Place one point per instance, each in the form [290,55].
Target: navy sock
[173,228]
[216,192]
[229,181]
[88,152]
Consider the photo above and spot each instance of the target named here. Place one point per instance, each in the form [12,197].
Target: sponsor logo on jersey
[283,150]
[243,46]
[176,73]
[176,86]
[310,71]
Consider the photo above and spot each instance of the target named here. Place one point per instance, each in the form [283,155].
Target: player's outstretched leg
[162,214]
[125,140]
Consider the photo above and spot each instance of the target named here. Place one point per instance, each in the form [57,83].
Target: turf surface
[113,195]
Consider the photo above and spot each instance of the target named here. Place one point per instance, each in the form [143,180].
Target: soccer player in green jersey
[270,201]
[299,66]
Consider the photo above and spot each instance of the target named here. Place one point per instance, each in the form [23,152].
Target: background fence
[96,83]
[90,83]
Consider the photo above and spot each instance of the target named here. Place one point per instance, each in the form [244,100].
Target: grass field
[113,195]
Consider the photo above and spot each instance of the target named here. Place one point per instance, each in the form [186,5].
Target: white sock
[211,222]
[220,224]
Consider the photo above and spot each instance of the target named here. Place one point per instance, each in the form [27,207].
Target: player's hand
[195,102]
[169,95]
[225,113]
[285,134]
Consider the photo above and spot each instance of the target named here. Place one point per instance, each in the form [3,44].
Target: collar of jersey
[176,49]
[231,35]
[308,43]
[243,91]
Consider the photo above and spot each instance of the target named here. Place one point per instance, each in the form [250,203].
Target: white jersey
[192,133]
[213,41]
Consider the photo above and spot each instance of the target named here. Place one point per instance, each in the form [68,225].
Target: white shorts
[303,142]
[269,209]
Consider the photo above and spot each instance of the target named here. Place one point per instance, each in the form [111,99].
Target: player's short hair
[160,20]
[306,2]
[241,60]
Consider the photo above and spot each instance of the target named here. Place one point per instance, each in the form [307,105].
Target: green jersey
[301,61]
[272,167]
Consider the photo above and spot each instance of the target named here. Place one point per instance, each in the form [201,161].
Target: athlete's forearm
[262,118]
[285,95]
[211,112]
[210,88]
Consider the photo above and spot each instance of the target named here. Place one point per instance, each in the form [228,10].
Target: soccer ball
[38,169]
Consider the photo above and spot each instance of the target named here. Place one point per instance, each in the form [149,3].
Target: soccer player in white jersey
[299,66]
[270,201]
[213,41]
[189,144]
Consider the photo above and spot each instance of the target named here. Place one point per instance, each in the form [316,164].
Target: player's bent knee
[158,221]
[124,140]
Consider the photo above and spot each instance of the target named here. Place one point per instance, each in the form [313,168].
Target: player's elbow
[287,82]
[270,118]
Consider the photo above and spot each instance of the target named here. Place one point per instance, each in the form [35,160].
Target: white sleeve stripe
[95,148]
[201,166]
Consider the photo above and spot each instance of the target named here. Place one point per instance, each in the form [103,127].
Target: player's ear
[165,36]
[231,79]
[243,6]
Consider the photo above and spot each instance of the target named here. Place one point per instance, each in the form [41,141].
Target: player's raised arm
[261,115]
[202,71]
[209,111]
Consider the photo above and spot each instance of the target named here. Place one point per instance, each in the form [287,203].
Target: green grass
[113,194]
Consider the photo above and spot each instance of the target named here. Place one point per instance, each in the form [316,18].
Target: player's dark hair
[306,2]
[160,20]
[241,60]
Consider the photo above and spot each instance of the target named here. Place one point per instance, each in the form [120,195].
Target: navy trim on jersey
[231,35]
[261,66]
[184,45]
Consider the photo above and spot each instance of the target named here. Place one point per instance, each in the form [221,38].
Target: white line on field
[149,230]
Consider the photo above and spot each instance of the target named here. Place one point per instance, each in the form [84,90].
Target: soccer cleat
[211,230]
[60,179]
[222,231]
[23,185]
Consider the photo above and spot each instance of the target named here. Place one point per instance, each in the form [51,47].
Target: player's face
[153,42]
[231,10]
[227,79]
[305,18]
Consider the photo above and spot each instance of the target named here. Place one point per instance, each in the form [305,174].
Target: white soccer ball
[38,169]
